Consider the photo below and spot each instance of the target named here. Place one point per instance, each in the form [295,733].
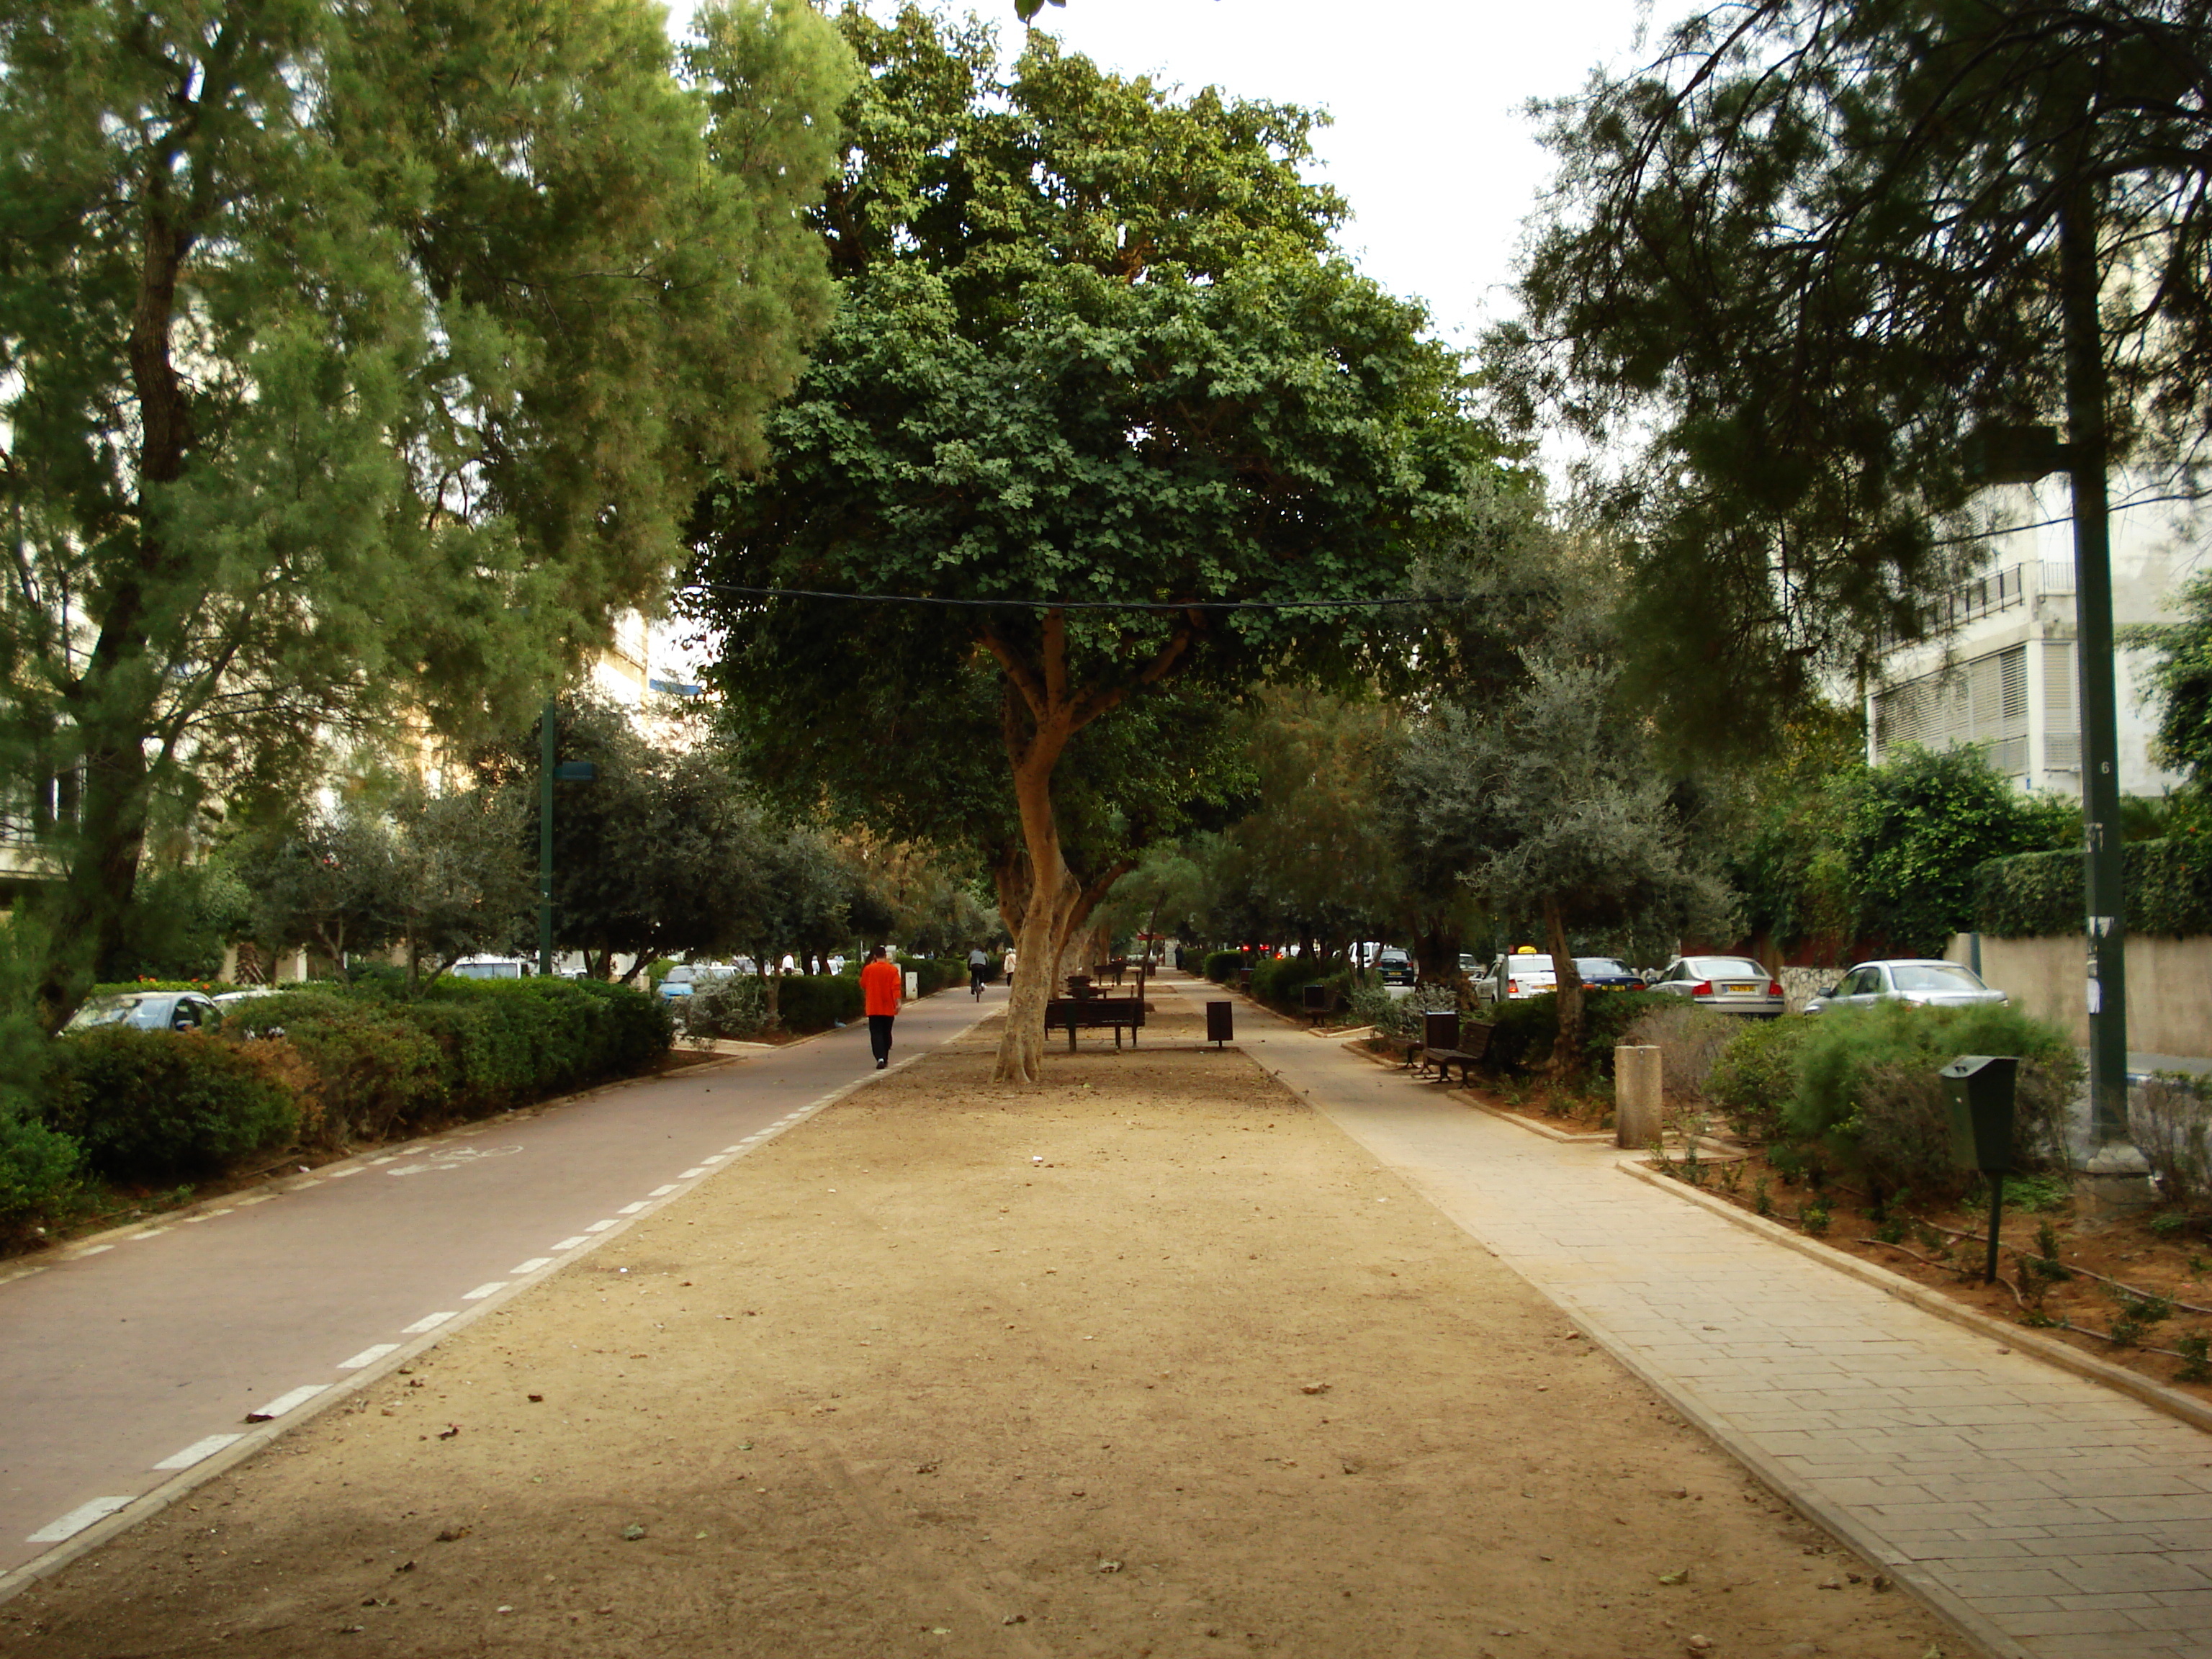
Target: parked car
[1728,985]
[494,968]
[1607,974]
[1922,982]
[1516,976]
[1394,966]
[148,1011]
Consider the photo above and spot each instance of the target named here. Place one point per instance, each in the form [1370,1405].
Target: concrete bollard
[1636,1096]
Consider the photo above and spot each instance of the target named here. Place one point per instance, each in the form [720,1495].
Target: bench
[1446,1042]
[1094,1013]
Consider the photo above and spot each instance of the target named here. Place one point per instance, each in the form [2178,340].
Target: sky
[1430,145]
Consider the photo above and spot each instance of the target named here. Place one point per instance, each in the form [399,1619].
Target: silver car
[148,1011]
[1728,985]
[1921,981]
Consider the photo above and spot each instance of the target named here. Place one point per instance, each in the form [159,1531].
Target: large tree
[362,359]
[1801,259]
[1093,351]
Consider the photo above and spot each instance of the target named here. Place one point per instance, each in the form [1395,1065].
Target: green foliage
[358,364]
[1780,819]
[1523,1033]
[815,1002]
[160,1105]
[729,1006]
[2181,682]
[180,918]
[1223,967]
[934,974]
[2167,882]
[1867,1088]
[2170,1118]
[1919,830]
[1280,982]
[1755,1077]
[40,1172]
[1803,254]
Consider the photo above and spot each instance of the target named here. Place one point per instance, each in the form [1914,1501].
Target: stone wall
[2169,987]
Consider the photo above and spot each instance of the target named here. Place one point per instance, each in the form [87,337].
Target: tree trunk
[1567,1049]
[1049,900]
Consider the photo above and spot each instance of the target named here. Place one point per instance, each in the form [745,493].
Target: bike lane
[129,1360]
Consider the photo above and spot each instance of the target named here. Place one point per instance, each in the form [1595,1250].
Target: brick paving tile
[2041,1511]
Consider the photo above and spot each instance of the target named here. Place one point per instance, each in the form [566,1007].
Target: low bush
[1755,1077]
[1524,1032]
[160,1105]
[1370,1004]
[1866,1088]
[734,1005]
[934,974]
[42,1170]
[1280,982]
[1223,966]
[2170,1119]
[815,1002]
[1690,1040]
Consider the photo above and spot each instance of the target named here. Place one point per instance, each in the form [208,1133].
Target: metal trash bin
[1220,1023]
[1979,1097]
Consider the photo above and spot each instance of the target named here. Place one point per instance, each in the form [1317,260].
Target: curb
[2018,1337]
[148,1504]
[1563,1137]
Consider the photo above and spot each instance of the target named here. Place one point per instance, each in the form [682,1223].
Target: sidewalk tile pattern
[2050,1515]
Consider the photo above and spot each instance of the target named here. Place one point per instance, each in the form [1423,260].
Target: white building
[2001,671]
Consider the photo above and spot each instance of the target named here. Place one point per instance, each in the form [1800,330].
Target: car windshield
[1727,968]
[1391,959]
[1527,967]
[1602,968]
[1934,976]
[106,1011]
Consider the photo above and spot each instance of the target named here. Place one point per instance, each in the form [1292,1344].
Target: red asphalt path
[126,1359]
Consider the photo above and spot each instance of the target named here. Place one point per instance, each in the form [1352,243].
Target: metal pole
[547,746]
[2087,446]
[1997,1220]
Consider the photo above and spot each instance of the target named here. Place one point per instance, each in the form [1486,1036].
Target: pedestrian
[881,982]
[978,969]
[1008,966]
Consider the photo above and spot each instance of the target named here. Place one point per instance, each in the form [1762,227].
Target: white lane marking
[198,1452]
[662,1192]
[717,1158]
[92,1249]
[728,1151]
[78,1519]
[427,1323]
[484,1291]
[387,1159]
[570,1242]
[531,1266]
[601,1226]
[150,1232]
[285,1402]
[699,1169]
[631,1209]
[368,1356]
[340,1174]
[259,1197]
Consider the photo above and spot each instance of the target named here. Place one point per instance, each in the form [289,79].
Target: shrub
[815,1002]
[2170,1118]
[1223,966]
[1280,982]
[39,1172]
[733,1006]
[933,974]
[361,1068]
[1866,1087]
[156,1105]
[1524,1032]
[2167,882]
[1690,1039]
[1755,1076]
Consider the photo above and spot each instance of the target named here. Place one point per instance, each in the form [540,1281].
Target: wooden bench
[1446,1042]
[1095,1014]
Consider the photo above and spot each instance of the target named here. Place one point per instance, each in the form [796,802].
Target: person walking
[881,982]
[1008,965]
[978,969]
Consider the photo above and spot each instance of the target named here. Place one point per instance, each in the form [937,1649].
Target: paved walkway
[2047,1516]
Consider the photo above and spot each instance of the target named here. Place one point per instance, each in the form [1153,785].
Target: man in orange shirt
[880,985]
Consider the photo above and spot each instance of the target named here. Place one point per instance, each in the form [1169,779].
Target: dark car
[1394,966]
[1607,973]
[150,1010]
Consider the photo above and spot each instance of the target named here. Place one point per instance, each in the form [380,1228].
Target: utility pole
[547,747]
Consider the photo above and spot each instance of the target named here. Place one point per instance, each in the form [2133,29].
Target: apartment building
[1999,670]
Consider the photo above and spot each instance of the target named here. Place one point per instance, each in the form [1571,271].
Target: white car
[1516,977]
[1923,982]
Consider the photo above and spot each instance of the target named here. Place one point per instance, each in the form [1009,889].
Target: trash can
[1978,1090]
[1220,1023]
[1318,998]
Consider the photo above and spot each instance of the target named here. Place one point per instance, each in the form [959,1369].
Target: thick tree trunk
[1567,1049]
[1049,900]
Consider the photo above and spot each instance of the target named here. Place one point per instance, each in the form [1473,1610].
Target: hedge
[1222,967]
[815,1002]
[2168,881]
[158,1105]
[1523,1031]
[934,974]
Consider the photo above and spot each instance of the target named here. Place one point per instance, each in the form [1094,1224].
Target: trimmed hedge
[934,974]
[2168,883]
[157,1105]
[1281,981]
[1523,1032]
[815,1002]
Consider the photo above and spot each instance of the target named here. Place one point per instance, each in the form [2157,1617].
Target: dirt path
[1148,1360]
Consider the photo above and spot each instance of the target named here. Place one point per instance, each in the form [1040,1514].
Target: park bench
[1095,1013]
[1446,1042]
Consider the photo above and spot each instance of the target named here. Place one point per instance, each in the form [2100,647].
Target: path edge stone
[2018,1337]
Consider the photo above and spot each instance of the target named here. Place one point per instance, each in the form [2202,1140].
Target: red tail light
[1704,988]
[1774,987]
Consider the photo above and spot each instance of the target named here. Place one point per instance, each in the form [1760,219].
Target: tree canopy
[363,359]
[1804,255]
[1092,349]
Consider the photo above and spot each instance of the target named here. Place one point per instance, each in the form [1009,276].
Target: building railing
[2000,590]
